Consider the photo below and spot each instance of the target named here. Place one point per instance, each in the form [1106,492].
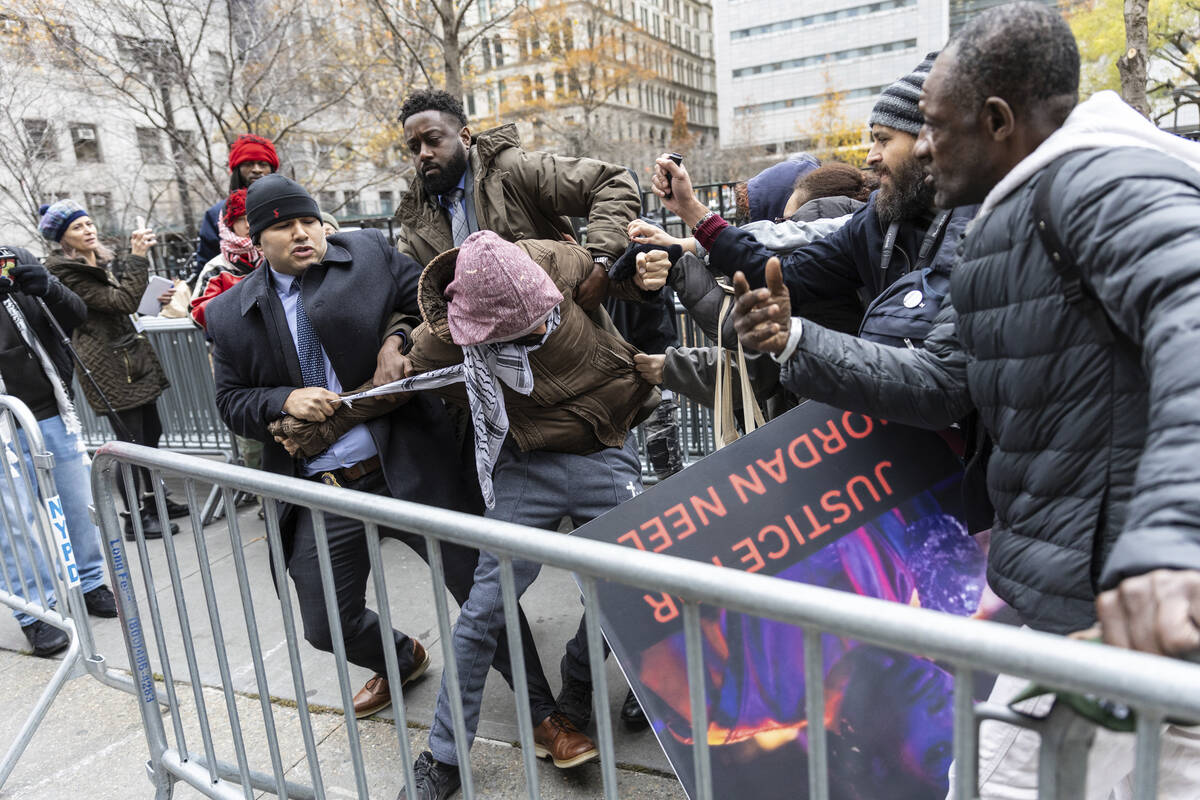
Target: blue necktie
[308,346]
[460,229]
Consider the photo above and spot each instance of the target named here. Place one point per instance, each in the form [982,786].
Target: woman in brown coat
[119,356]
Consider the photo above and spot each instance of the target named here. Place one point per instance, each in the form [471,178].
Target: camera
[8,260]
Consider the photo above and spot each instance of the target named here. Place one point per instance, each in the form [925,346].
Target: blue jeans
[72,479]
[538,489]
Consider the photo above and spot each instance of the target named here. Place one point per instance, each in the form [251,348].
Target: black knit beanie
[274,198]
[897,106]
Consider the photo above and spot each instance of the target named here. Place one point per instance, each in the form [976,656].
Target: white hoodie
[1103,120]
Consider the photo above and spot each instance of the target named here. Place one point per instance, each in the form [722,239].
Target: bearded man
[897,232]
[471,182]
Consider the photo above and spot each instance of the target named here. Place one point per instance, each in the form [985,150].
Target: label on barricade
[62,539]
[824,497]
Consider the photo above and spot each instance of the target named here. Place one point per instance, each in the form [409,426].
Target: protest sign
[819,496]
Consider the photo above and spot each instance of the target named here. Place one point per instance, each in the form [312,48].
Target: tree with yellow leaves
[681,138]
[831,134]
[1167,76]
[587,58]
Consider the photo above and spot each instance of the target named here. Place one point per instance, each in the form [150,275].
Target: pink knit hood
[498,292]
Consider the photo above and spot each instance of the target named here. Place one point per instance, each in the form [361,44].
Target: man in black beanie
[286,340]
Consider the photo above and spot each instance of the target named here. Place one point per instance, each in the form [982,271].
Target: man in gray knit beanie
[895,122]
[897,106]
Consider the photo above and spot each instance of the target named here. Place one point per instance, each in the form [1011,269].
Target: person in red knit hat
[237,259]
[250,158]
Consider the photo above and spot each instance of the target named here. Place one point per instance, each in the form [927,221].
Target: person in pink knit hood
[553,395]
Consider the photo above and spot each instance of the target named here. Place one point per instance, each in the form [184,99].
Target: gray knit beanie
[897,106]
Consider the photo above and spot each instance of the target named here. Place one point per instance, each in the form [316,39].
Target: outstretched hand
[763,317]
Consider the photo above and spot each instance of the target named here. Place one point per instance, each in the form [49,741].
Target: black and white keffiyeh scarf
[486,370]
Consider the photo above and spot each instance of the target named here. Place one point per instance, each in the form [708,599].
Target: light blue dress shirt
[356,444]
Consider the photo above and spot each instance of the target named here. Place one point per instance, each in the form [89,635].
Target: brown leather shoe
[420,664]
[558,739]
[375,696]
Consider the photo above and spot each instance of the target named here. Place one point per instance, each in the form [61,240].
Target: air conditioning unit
[85,135]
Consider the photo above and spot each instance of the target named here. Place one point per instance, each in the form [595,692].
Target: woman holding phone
[119,356]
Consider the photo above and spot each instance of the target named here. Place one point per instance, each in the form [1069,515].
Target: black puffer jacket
[1095,473]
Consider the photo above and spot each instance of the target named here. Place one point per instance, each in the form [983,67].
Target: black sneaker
[150,527]
[435,780]
[174,510]
[632,714]
[575,700]
[100,602]
[45,639]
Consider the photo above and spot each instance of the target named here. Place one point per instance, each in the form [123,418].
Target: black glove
[32,279]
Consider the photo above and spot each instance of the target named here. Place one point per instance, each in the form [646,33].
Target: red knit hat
[249,147]
[498,292]
[235,206]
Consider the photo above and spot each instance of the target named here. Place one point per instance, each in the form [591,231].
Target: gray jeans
[536,489]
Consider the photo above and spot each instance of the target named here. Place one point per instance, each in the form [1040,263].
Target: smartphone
[8,260]
[678,159]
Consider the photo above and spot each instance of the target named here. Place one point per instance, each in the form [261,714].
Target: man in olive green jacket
[467,183]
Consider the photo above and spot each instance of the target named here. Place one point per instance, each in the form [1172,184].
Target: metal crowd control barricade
[34,532]
[188,408]
[1153,687]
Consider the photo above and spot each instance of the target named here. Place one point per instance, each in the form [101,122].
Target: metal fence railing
[1153,687]
[40,578]
[192,424]
[188,408]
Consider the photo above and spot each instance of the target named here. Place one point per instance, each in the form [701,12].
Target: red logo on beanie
[276,213]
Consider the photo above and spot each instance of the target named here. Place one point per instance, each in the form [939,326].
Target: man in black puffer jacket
[1088,389]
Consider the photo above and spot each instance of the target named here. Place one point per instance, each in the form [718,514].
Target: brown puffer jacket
[119,358]
[586,393]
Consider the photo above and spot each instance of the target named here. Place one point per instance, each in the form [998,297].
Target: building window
[526,89]
[41,140]
[818,19]
[499,50]
[219,71]
[353,203]
[471,104]
[539,87]
[327,200]
[149,145]
[387,202]
[100,207]
[487,55]
[87,144]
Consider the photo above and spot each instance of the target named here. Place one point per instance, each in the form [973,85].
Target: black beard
[908,196]
[446,179]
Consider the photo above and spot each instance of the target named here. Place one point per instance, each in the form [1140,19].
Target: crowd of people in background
[1013,268]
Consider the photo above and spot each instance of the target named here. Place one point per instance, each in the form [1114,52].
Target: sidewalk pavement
[92,736]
